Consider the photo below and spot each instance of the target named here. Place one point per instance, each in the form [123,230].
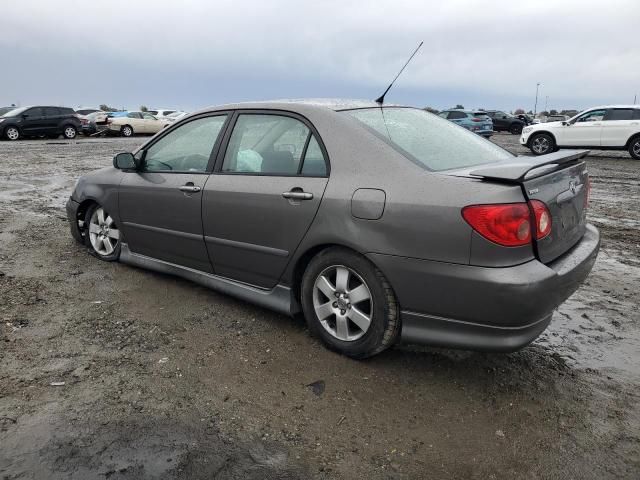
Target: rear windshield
[428,140]
[480,114]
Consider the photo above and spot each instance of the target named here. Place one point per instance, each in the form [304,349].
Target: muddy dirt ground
[111,372]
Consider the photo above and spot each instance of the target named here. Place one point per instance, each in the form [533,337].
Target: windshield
[15,111]
[428,140]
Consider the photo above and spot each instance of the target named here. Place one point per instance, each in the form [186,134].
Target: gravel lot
[107,371]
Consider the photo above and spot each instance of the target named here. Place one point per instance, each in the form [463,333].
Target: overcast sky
[194,53]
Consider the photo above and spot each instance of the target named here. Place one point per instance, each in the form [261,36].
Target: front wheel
[103,235]
[12,133]
[349,304]
[515,129]
[634,148]
[541,144]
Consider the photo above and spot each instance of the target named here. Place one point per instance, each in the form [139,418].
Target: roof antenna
[380,99]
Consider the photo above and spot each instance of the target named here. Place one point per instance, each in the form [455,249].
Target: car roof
[612,106]
[301,105]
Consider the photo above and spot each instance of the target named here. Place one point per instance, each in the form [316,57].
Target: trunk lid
[561,181]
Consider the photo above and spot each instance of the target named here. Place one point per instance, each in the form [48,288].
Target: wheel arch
[631,138]
[537,132]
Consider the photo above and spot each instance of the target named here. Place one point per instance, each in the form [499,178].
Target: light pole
[546,102]
[535,107]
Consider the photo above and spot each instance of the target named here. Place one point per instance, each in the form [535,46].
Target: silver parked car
[378,224]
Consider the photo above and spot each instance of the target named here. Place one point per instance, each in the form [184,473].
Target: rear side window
[428,140]
[51,111]
[619,114]
[456,115]
[314,163]
[266,144]
[636,114]
[134,115]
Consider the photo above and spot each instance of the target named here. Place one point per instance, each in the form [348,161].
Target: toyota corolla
[378,224]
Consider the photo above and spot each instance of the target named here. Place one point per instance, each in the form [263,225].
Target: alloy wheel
[636,149]
[103,232]
[127,132]
[540,145]
[69,132]
[343,303]
[12,133]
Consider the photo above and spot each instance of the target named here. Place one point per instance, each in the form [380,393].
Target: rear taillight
[506,224]
[476,119]
[509,224]
[543,219]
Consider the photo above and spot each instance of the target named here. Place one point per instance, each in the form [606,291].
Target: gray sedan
[376,223]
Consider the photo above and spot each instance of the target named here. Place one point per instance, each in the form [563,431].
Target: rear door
[161,205]
[52,117]
[584,132]
[617,127]
[263,196]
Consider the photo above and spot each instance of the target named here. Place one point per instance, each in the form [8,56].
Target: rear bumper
[480,308]
[72,215]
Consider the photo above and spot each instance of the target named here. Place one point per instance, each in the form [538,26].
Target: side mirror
[125,161]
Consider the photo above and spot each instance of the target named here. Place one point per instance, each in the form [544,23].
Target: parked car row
[51,122]
[486,122]
[612,127]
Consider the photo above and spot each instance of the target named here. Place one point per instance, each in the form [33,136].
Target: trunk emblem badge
[533,191]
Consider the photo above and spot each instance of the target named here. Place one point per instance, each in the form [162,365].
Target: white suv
[614,127]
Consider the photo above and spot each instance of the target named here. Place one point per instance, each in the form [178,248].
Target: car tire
[515,129]
[634,147]
[102,236]
[126,131]
[12,133]
[541,144]
[362,294]
[69,132]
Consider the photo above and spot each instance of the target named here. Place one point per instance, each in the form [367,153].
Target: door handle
[190,187]
[294,195]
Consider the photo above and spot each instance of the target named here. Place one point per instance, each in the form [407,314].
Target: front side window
[266,144]
[187,148]
[592,116]
[427,140]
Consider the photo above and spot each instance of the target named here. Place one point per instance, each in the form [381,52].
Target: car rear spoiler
[521,168]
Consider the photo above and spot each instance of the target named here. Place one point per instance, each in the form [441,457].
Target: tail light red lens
[543,219]
[476,119]
[506,224]
[509,224]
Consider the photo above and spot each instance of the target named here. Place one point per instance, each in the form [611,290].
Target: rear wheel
[634,147]
[515,129]
[349,304]
[103,235]
[126,131]
[69,132]
[541,144]
[12,133]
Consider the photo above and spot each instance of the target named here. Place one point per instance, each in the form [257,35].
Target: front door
[261,200]
[584,132]
[160,206]
[34,121]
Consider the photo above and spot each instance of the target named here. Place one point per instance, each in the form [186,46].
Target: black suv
[505,122]
[39,121]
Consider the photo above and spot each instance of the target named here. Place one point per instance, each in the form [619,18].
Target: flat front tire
[349,304]
[102,236]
